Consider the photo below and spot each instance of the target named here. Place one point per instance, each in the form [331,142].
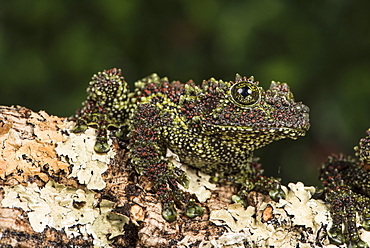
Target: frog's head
[243,112]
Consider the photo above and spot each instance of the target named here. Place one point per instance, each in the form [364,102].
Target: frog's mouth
[296,125]
[286,121]
[234,132]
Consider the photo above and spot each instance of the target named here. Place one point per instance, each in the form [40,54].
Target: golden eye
[245,93]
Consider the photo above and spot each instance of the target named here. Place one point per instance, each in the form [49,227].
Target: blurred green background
[50,49]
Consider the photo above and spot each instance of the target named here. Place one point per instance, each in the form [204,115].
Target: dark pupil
[245,91]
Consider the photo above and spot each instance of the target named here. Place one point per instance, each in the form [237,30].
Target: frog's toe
[79,128]
[182,177]
[336,236]
[358,244]
[101,146]
[277,194]
[169,212]
[366,223]
[238,199]
[193,210]
[121,133]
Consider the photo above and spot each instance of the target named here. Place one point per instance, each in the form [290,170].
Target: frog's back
[153,89]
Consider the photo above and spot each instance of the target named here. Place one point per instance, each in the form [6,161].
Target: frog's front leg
[147,153]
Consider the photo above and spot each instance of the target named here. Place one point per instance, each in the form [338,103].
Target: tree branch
[57,192]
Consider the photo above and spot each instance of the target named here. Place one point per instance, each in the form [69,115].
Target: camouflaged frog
[213,127]
[347,189]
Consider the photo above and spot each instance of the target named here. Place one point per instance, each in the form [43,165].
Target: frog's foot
[166,184]
[252,180]
[345,204]
[83,117]
[98,120]
[101,143]
[169,212]
[179,198]
[266,185]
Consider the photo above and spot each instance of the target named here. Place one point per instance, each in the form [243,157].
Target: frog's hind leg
[147,152]
[345,203]
[107,106]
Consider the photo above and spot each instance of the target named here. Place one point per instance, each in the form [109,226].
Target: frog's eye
[245,93]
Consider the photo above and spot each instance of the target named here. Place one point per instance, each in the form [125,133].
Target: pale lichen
[76,211]
[296,221]
[87,165]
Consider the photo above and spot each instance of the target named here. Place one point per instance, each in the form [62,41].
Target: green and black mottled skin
[213,127]
[347,189]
